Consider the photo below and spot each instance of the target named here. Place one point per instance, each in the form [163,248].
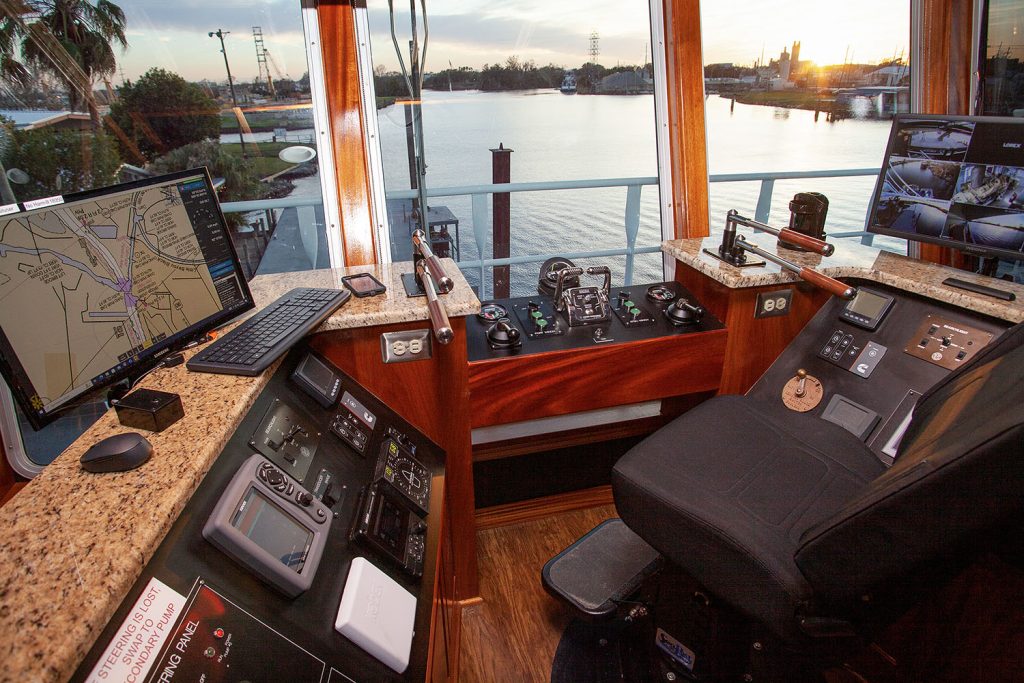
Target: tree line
[513,74]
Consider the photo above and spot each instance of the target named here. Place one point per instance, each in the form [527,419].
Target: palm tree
[72,39]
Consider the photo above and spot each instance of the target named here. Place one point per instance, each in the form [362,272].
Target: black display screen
[957,181]
[318,374]
[96,286]
[266,525]
[867,304]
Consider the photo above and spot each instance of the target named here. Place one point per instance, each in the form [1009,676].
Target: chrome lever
[438,317]
[423,252]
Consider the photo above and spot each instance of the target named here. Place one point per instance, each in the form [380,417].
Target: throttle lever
[423,252]
[438,316]
[832,285]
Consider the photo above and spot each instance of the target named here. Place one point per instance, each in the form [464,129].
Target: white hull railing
[631,216]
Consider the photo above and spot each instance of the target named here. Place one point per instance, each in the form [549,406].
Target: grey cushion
[727,490]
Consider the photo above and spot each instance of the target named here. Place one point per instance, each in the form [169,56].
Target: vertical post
[479,232]
[410,143]
[501,172]
[231,84]
[764,200]
[632,228]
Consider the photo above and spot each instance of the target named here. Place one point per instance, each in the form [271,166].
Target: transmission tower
[261,60]
[595,47]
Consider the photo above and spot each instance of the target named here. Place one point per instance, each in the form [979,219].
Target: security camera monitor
[956,181]
[97,286]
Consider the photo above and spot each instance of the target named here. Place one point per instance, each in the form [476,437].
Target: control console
[526,325]
[250,579]
[863,364]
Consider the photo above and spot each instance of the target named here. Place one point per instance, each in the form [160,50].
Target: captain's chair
[794,522]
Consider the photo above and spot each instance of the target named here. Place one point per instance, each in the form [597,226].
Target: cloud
[491,36]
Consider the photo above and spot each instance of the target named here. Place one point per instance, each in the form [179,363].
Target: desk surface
[854,260]
[72,543]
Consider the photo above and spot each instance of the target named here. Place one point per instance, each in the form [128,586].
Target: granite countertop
[851,260]
[72,543]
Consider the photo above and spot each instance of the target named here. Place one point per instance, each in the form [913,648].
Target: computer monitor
[97,286]
[957,181]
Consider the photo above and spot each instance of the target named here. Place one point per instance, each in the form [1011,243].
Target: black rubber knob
[304,499]
[503,335]
[682,312]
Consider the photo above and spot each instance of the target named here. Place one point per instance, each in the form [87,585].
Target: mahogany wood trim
[686,128]
[946,31]
[754,343]
[345,123]
[8,492]
[527,387]
[10,481]
[537,508]
[433,396]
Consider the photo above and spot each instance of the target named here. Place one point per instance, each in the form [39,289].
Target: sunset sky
[173,35]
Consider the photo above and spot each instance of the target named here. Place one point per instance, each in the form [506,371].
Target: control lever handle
[806,241]
[831,285]
[438,316]
[423,252]
[733,218]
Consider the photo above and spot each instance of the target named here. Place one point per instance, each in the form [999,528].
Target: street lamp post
[234,101]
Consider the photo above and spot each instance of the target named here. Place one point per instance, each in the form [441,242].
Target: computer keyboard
[252,346]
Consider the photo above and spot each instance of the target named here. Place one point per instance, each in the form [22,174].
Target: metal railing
[631,218]
[631,214]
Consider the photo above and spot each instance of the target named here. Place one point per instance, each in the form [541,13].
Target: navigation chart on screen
[118,274]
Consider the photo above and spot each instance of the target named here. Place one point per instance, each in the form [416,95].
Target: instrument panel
[258,598]
[527,325]
[865,369]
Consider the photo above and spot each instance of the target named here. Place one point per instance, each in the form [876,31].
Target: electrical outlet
[775,303]
[404,346]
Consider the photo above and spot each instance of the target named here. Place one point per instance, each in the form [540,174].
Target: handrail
[631,217]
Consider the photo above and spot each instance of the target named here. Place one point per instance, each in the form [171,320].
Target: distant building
[785,65]
[626,83]
[794,60]
[33,119]
[887,76]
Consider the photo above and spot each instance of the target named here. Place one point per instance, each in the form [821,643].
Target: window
[528,94]
[807,87]
[1002,48]
[1001,87]
[165,87]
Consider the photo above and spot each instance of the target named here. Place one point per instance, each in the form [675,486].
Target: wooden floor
[512,634]
[971,630]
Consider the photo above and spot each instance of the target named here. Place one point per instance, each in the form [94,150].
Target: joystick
[682,312]
[503,335]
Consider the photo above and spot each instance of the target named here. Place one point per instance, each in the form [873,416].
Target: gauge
[405,473]
[492,312]
[660,293]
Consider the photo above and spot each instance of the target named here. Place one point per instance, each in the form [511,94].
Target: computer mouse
[117,453]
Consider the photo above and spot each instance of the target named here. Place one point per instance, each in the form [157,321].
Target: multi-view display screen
[956,181]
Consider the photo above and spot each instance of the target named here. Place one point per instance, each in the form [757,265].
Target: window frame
[663,135]
[13,444]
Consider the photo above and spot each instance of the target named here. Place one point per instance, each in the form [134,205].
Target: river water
[578,137]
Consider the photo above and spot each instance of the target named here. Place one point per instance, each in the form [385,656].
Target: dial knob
[504,335]
[304,498]
[682,312]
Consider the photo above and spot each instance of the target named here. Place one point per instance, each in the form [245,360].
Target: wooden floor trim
[537,508]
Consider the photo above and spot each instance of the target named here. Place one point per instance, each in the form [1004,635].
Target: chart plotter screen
[99,282]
